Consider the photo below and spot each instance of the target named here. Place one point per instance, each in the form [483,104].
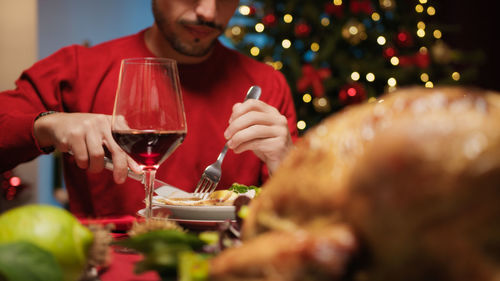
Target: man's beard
[185,48]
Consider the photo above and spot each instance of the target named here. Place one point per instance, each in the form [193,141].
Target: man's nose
[206,10]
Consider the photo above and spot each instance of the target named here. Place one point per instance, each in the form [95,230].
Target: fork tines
[204,187]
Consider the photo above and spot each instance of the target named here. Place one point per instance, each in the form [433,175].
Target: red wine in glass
[148,148]
[148,121]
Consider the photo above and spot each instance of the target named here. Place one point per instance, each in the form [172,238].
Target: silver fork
[211,176]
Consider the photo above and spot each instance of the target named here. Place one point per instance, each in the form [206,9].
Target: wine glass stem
[149,178]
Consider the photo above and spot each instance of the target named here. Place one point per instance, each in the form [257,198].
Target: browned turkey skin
[284,255]
[413,178]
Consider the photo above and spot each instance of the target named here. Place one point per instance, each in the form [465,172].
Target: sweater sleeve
[38,89]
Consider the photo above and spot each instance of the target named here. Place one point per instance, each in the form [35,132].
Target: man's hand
[257,126]
[84,135]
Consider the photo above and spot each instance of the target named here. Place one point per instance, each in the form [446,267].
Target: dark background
[475,25]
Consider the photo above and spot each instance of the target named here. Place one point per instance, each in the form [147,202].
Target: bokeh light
[355,76]
[259,27]
[370,77]
[307,98]
[286,43]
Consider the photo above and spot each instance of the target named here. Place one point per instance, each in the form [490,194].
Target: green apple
[53,229]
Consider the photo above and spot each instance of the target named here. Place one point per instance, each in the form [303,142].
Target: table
[122,269]
[122,264]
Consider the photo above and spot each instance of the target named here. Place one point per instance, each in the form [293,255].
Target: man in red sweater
[65,102]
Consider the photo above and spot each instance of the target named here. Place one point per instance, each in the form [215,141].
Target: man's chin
[197,49]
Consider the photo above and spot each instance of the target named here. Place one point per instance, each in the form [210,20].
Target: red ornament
[251,11]
[421,60]
[313,78]
[333,10]
[361,6]
[352,93]
[302,30]
[269,20]
[404,39]
[389,52]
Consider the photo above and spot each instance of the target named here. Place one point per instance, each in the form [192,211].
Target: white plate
[205,213]
[198,212]
[191,224]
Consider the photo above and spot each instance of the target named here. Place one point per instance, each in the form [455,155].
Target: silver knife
[108,164]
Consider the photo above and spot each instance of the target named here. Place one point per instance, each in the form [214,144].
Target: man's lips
[200,31]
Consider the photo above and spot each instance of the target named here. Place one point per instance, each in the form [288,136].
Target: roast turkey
[403,188]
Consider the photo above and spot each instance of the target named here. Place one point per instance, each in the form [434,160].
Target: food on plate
[217,198]
[252,190]
[405,188]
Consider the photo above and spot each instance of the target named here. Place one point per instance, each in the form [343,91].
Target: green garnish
[161,250]
[241,188]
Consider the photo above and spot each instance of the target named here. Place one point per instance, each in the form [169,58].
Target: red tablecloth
[122,269]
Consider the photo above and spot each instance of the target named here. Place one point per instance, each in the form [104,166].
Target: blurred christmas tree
[340,52]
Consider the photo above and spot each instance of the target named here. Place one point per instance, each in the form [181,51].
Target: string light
[381,40]
[307,98]
[353,30]
[421,25]
[314,47]
[277,65]
[372,99]
[437,34]
[301,125]
[351,92]
[387,4]
[370,77]
[236,30]
[288,18]
[394,61]
[419,8]
[422,1]
[420,33]
[244,10]
[424,77]
[455,76]
[375,16]
[392,82]
[254,51]
[286,43]
[325,21]
[431,11]
[322,102]
[259,27]
[337,2]
[429,84]
[15,181]
[355,76]
[423,50]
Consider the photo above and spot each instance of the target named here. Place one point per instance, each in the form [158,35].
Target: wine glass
[148,122]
